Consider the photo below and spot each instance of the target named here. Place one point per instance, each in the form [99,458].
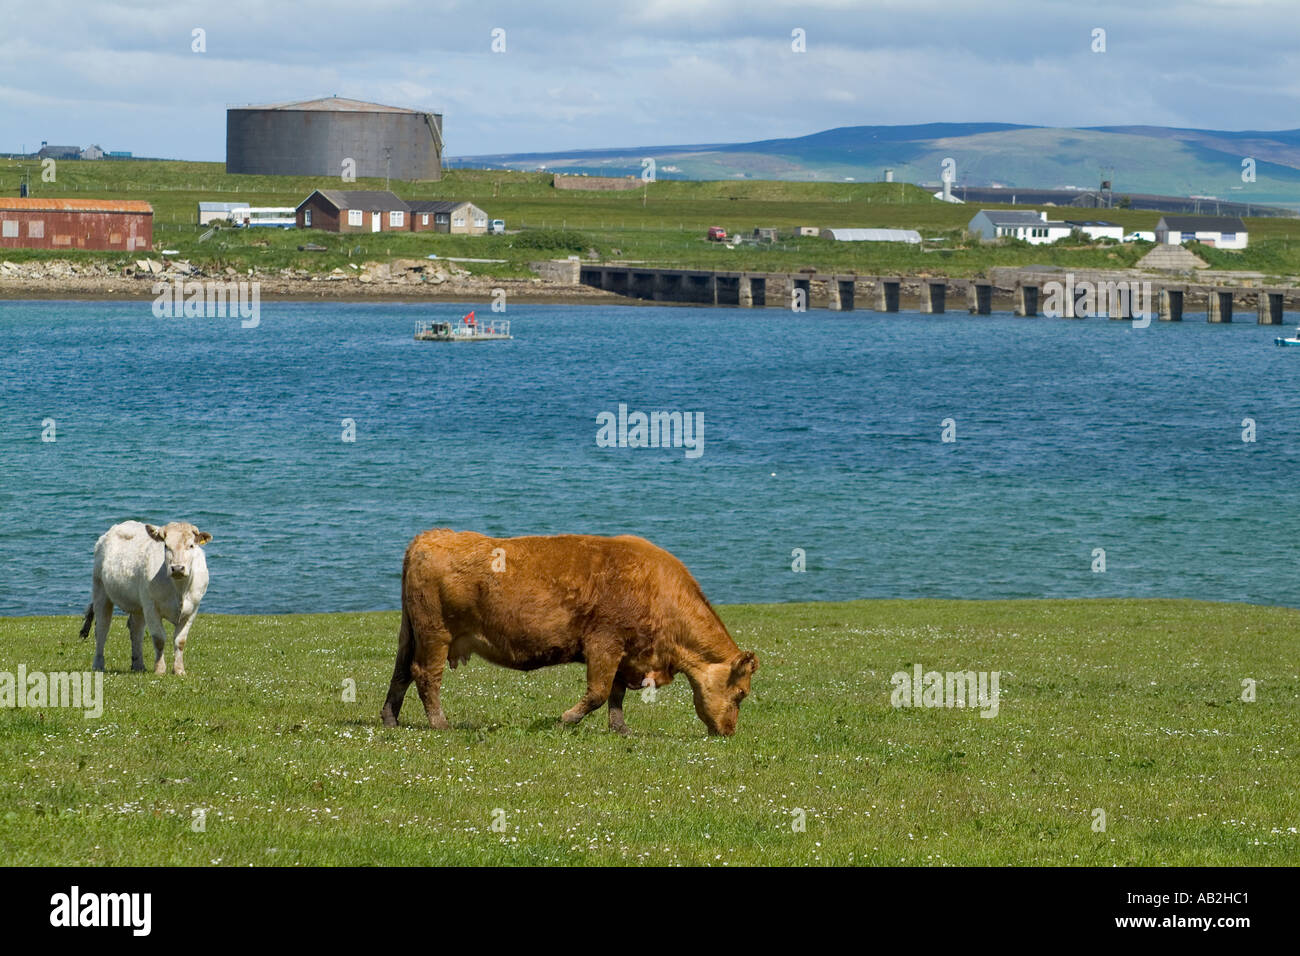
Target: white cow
[154,575]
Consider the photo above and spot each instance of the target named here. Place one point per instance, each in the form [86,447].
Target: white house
[1223,232]
[1033,227]
[1098,229]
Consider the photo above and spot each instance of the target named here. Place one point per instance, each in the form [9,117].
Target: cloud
[586,74]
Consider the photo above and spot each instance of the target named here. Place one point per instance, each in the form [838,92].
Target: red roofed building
[36,222]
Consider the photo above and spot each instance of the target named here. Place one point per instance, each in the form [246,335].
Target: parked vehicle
[717,234]
[1140,237]
[497,227]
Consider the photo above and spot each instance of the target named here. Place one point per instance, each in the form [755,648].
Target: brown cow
[630,610]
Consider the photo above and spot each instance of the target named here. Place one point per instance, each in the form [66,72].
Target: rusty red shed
[36,222]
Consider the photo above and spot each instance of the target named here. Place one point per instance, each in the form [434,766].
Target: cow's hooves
[439,724]
[620,729]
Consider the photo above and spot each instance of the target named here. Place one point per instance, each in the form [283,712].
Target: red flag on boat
[469,319]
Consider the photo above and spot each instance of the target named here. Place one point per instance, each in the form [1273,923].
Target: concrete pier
[887,294]
[934,297]
[1219,306]
[745,292]
[1171,305]
[1270,308]
[1119,304]
[1026,299]
[979,298]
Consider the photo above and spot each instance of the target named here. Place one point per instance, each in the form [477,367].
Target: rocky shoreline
[396,279]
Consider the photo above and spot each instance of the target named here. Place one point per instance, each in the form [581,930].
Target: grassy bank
[1132,707]
[661,225]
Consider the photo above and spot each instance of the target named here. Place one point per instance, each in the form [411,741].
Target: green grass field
[1131,707]
[662,225]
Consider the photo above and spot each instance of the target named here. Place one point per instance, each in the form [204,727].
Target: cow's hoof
[570,719]
[160,670]
[620,729]
[180,672]
[97,666]
[137,667]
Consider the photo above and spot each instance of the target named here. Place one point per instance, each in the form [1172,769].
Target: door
[374,221]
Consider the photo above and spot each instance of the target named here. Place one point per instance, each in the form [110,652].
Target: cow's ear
[155,532]
[202,537]
[743,666]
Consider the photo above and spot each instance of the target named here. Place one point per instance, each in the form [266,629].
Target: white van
[497,227]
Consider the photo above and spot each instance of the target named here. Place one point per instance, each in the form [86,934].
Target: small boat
[467,329]
[1294,340]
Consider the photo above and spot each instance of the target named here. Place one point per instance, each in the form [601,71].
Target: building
[210,212]
[40,223]
[353,210]
[871,235]
[92,152]
[58,152]
[1098,228]
[1223,232]
[1032,227]
[119,154]
[456,217]
[332,137]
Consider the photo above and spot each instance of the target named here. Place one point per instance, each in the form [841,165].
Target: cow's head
[720,688]
[180,541]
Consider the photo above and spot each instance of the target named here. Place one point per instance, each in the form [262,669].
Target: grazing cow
[154,574]
[630,610]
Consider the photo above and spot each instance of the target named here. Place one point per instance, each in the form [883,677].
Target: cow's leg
[616,693]
[401,674]
[602,665]
[135,624]
[426,668]
[103,608]
[182,634]
[154,622]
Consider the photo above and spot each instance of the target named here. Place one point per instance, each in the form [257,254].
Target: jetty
[1022,291]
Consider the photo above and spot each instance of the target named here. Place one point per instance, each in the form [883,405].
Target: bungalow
[1223,232]
[456,217]
[1033,227]
[353,210]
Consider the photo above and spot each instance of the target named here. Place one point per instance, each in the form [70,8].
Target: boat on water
[1293,340]
[467,329]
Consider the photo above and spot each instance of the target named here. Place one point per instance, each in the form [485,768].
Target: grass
[1129,706]
[661,225]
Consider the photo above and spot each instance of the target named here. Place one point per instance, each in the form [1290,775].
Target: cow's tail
[89,619]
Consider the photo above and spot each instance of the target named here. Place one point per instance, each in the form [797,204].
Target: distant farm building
[333,136]
[92,152]
[210,212]
[605,183]
[1032,227]
[871,235]
[458,218]
[807,231]
[59,152]
[1223,232]
[40,223]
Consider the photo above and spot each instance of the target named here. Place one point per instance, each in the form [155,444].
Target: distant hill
[1138,159]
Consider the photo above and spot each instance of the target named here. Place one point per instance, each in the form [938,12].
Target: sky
[576,75]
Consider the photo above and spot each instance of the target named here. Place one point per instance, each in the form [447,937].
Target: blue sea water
[822,431]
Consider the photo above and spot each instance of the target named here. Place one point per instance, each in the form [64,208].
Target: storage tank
[315,137]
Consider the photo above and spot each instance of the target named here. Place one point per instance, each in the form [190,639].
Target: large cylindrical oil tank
[334,136]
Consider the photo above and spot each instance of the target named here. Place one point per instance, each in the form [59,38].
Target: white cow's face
[181,542]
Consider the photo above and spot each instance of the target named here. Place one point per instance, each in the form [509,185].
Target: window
[306,218]
[440,217]
[1229,237]
[458,220]
[424,219]
[395,219]
[9,229]
[354,217]
[36,229]
[480,219]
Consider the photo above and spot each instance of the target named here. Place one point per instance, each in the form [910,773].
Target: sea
[832,455]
